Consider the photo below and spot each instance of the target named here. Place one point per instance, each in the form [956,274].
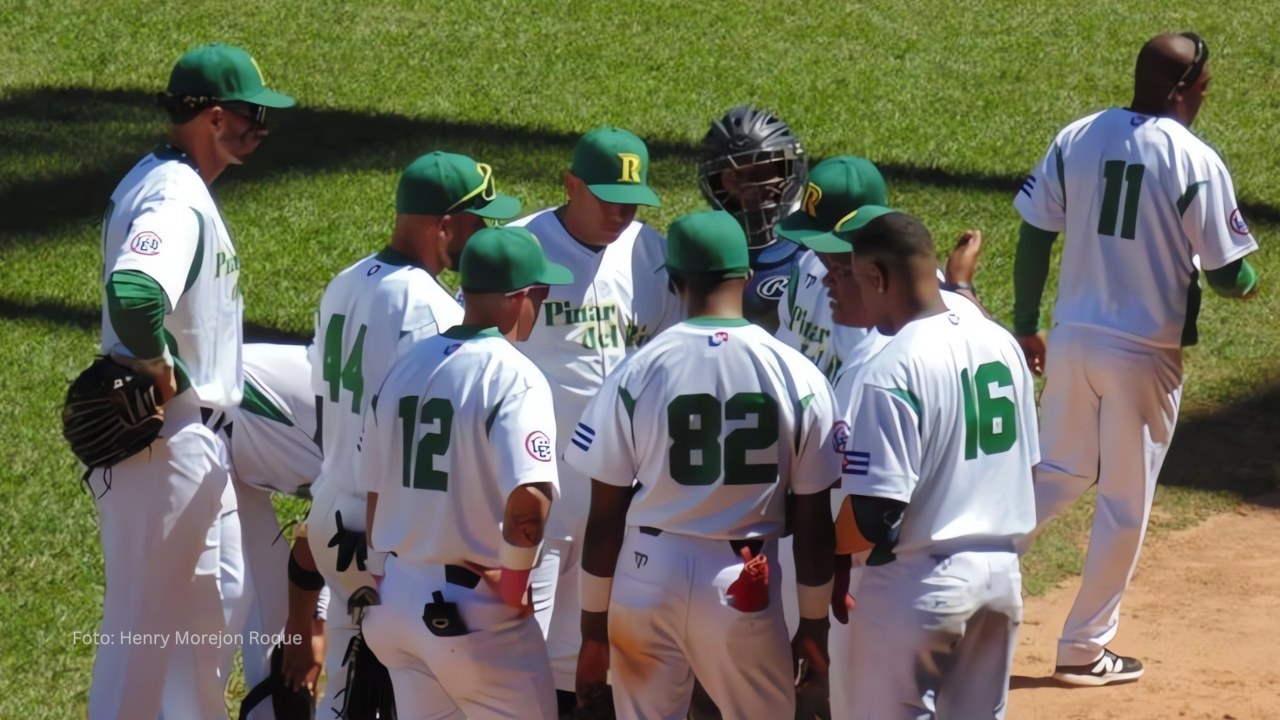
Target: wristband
[376,563]
[959,285]
[513,557]
[814,601]
[302,578]
[594,592]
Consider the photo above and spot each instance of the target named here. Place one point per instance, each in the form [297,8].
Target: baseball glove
[111,413]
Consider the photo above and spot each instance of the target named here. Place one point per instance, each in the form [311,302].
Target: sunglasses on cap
[479,196]
[1192,73]
[256,114]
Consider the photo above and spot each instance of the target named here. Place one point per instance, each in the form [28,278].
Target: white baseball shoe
[1110,669]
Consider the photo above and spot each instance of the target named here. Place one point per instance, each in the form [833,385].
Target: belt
[215,420]
[462,576]
[754,545]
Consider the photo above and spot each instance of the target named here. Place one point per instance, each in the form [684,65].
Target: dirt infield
[1203,614]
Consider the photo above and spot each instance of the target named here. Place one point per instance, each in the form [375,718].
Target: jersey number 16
[990,415]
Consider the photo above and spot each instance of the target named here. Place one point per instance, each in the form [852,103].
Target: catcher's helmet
[754,167]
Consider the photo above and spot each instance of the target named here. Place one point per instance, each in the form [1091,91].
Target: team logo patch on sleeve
[538,445]
[583,436]
[145,243]
[1237,223]
[840,436]
[856,463]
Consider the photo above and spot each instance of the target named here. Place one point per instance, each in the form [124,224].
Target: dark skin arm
[302,660]
[606,529]
[814,549]
[962,266]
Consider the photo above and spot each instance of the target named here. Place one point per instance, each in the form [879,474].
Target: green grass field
[955,101]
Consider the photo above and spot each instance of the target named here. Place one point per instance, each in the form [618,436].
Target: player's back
[720,417]
[369,314]
[273,438]
[953,394]
[442,499]
[1126,180]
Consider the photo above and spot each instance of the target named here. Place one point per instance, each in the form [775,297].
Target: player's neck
[724,301]
[410,237]
[203,155]
[578,231]
[921,303]
[1154,108]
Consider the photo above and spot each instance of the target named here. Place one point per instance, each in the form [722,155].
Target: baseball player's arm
[815,470]
[606,529]
[1218,233]
[302,660]
[1030,272]
[881,471]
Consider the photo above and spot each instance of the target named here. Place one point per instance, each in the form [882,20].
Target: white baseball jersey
[369,315]
[716,420]
[163,222]
[461,422]
[273,434]
[804,318]
[947,424]
[1138,197]
[620,297]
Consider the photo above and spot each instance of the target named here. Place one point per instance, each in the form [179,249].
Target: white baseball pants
[1107,416]
[933,636]
[669,620]
[498,671]
[157,523]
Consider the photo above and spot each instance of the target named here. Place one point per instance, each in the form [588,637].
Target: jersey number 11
[1117,173]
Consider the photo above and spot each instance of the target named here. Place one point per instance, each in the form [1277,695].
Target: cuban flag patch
[856,463]
[1028,185]
[583,436]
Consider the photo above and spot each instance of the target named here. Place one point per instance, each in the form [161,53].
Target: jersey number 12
[1117,173]
[418,469]
[990,415]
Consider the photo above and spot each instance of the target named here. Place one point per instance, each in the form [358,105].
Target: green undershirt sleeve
[1233,280]
[1030,271]
[136,306]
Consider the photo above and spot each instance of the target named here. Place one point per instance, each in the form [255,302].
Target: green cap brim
[796,227]
[828,242]
[861,217]
[556,274]
[626,194]
[501,207]
[269,98]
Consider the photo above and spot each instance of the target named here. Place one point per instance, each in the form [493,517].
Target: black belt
[462,576]
[754,545]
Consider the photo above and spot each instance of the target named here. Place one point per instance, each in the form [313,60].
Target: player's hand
[301,661]
[592,678]
[160,372]
[809,658]
[1035,349]
[962,263]
[841,600]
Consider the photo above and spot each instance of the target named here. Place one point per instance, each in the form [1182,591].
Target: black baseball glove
[111,413]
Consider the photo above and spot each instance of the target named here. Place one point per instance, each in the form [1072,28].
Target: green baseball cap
[837,187]
[440,183]
[711,241]
[614,164]
[841,241]
[225,72]
[506,259]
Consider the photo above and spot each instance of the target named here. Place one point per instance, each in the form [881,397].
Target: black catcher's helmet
[754,167]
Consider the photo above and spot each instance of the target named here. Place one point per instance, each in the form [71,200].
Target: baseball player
[458,459]
[1138,197]
[274,448]
[936,454]
[754,168]
[717,422]
[619,298]
[172,310]
[368,315]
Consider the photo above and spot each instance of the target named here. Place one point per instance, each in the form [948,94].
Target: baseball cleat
[1110,669]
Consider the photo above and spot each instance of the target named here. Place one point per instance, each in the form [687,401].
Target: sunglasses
[256,114]
[1193,70]
[485,192]
[530,289]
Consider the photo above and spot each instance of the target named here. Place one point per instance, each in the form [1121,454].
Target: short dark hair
[895,237]
[182,109]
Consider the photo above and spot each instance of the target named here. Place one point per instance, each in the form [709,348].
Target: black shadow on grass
[83,318]
[79,141]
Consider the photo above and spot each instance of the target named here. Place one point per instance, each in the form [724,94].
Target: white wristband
[376,563]
[594,592]
[517,558]
[813,601]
